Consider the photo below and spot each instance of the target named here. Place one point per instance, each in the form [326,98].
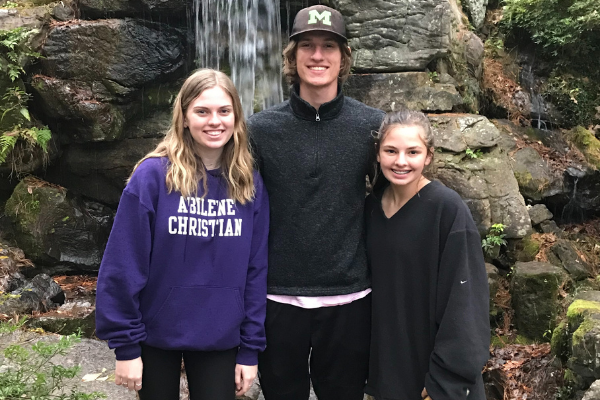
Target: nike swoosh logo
[461,282]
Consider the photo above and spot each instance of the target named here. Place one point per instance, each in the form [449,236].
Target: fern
[7,143]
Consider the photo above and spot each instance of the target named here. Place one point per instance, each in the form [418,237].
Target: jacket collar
[303,110]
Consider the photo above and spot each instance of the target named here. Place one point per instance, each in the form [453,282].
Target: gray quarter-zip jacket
[314,163]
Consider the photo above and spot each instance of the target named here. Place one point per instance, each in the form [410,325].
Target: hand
[128,373]
[244,377]
[424,395]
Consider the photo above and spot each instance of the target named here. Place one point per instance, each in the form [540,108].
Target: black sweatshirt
[430,323]
[314,164]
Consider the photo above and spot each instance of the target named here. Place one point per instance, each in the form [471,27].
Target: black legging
[210,374]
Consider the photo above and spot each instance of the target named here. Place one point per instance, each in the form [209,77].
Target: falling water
[251,30]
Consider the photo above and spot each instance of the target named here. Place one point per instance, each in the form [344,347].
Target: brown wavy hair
[186,169]
[290,69]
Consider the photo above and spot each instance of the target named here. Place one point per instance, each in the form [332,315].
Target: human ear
[429,156]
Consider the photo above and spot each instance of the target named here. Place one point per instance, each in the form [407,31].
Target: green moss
[24,205]
[587,143]
[579,307]
[559,341]
[523,178]
[529,248]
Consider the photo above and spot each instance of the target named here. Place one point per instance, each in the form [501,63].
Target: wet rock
[11,260]
[534,294]
[127,52]
[93,9]
[41,294]
[537,180]
[70,318]
[54,227]
[98,75]
[393,36]
[26,17]
[539,213]
[414,90]
[527,248]
[570,259]
[484,181]
[104,179]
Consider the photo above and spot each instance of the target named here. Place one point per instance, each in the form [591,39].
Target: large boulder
[476,10]
[396,35]
[53,227]
[570,259]
[98,75]
[535,299]
[413,90]
[484,179]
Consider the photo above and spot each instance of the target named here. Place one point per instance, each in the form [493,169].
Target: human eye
[200,111]
[225,111]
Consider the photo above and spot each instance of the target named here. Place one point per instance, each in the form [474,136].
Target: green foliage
[556,24]
[494,238]
[10,4]
[434,77]
[473,153]
[30,374]
[576,98]
[14,46]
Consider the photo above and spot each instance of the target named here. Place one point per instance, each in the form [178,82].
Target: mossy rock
[560,341]
[527,249]
[587,142]
[534,293]
[52,226]
[583,326]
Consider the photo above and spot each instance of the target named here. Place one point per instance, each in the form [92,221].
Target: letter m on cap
[324,17]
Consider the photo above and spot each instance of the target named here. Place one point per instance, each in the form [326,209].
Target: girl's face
[210,119]
[403,155]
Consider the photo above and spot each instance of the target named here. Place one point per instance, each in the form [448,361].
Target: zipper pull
[317,118]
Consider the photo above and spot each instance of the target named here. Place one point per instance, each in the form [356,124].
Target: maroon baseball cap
[319,18]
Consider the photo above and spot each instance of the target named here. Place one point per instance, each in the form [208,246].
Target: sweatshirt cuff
[247,356]
[128,352]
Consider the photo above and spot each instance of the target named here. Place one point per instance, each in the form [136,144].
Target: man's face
[318,60]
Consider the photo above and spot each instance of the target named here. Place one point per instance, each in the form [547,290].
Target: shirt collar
[304,110]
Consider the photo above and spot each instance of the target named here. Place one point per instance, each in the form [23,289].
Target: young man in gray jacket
[314,152]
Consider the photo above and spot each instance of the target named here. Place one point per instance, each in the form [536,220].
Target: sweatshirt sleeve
[252,333]
[123,274]
[461,346]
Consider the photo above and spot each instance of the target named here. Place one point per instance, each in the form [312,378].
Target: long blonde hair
[186,169]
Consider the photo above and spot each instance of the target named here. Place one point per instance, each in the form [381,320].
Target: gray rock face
[128,52]
[486,182]
[54,227]
[396,35]
[570,260]
[539,213]
[70,318]
[476,10]
[413,90]
[493,282]
[534,293]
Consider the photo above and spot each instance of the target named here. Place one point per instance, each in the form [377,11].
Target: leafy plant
[473,153]
[494,238]
[434,77]
[13,107]
[556,24]
[30,374]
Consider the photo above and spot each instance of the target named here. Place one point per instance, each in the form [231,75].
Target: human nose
[214,119]
[317,54]
[401,159]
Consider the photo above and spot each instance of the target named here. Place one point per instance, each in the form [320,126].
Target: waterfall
[251,31]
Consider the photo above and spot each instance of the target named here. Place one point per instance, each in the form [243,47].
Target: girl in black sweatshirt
[430,323]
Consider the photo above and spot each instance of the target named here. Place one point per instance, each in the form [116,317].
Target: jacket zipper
[317,119]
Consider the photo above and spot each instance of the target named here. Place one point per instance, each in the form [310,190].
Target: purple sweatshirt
[184,273]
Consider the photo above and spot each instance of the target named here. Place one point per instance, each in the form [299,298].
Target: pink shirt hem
[318,301]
